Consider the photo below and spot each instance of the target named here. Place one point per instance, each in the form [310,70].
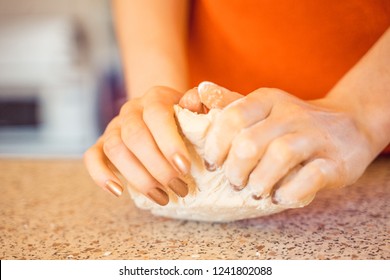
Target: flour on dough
[210,198]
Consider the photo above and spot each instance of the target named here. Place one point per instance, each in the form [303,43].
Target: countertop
[51,209]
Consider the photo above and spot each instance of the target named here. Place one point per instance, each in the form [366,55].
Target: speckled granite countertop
[50,209]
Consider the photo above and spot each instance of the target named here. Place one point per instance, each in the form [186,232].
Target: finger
[214,96]
[280,157]
[101,174]
[158,116]
[138,139]
[248,148]
[301,190]
[192,102]
[237,116]
[132,169]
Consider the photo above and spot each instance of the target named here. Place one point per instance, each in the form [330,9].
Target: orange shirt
[303,47]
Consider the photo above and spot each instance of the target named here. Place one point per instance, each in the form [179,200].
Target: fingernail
[181,164]
[259,196]
[158,196]
[114,188]
[178,186]
[275,200]
[236,187]
[210,167]
[210,94]
[205,110]
[205,86]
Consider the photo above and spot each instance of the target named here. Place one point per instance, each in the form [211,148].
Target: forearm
[364,92]
[152,36]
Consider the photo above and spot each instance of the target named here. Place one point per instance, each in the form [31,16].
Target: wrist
[366,117]
[154,69]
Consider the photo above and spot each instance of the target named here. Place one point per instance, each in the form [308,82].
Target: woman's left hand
[278,145]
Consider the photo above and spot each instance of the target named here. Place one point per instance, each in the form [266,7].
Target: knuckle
[245,145]
[129,107]
[335,172]
[153,93]
[88,157]
[112,145]
[87,154]
[155,109]
[317,176]
[315,172]
[133,130]
[321,172]
[269,92]
[233,118]
[281,150]
[262,91]
[93,152]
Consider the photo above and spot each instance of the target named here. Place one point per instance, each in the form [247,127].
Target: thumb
[191,101]
[215,96]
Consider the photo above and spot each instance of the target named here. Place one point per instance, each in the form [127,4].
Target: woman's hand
[142,144]
[281,146]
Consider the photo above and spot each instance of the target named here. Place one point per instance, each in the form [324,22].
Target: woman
[323,129]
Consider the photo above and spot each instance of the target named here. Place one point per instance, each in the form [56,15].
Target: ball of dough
[210,198]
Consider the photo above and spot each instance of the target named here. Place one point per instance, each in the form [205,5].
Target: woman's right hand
[142,144]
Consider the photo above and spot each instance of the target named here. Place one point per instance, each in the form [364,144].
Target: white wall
[37,50]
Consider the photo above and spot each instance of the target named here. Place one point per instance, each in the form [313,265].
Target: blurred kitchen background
[60,76]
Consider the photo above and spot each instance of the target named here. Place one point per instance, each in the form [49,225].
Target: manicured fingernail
[205,86]
[181,164]
[210,94]
[210,167]
[178,186]
[205,110]
[260,196]
[275,200]
[114,188]
[236,187]
[159,196]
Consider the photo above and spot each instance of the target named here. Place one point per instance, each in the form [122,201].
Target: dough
[210,198]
